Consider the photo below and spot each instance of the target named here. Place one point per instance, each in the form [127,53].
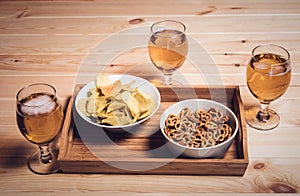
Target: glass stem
[263,114]
[45,154]
[168,78]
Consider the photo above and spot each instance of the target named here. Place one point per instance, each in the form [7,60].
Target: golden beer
[39,117]
[168,49]
[268,76]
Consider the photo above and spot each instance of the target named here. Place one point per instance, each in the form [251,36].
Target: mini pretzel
[203,116]
[217,116]
[171,120]
[184,112]
[211,125]
[196,144]
[207,143]
[193,118]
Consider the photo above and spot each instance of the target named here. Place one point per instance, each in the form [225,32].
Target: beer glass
[268,77]
[39,118]
[168,47]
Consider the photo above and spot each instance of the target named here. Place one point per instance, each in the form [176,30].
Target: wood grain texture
[56,42]
[112,8]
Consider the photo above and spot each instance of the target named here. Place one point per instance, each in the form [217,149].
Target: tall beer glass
[39,118]
[168,47]
[268,77]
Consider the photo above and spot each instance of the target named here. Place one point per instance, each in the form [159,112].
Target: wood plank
[37,45]
[71,64]
[40,64]
[224,24]
[261,174]
[272,143]
[65,83]
[11,85]
[238,46]
[154,7]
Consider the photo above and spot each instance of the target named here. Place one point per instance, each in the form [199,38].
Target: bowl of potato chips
[117,101]
[199,128]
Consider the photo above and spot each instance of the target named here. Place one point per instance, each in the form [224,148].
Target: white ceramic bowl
[142,85]
[216,151]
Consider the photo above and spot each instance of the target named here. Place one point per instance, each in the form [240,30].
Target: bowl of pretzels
[199,128]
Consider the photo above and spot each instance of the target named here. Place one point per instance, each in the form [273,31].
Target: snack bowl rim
[113,78]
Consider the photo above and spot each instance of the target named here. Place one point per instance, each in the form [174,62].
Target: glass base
[253,121]
[36,166]
[157,82]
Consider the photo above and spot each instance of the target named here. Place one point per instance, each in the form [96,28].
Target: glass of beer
[268,77]
[39,118]
[168,47]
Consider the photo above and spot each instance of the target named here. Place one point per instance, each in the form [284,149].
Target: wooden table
[53,41]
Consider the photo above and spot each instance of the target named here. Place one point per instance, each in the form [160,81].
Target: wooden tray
[75,157]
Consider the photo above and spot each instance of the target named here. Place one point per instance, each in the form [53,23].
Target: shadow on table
[15,156]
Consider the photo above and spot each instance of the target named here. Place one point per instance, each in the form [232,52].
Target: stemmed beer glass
[168,47]
[268,77]
[39,118]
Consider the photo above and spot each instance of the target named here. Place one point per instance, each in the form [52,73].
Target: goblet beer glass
[168,47]
[268,77]
[39,118]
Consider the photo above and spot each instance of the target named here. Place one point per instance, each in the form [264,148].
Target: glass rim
[36,84]
[273,45]
[172,21]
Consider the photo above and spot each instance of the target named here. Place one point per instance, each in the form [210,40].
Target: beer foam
[41,104]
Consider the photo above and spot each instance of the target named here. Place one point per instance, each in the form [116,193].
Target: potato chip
[117,118]
[90,106]
[145,104]
[103,83]
[82,106]
[115,103]
[131,103]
